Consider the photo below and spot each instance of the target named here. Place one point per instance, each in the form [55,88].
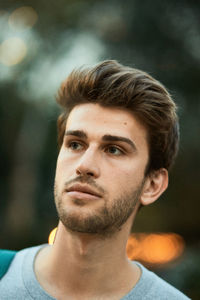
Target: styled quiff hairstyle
[111,84]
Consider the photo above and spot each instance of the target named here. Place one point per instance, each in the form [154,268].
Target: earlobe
[155,184]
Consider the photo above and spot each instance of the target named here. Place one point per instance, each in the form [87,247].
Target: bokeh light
[12,51]
[23,18]
[155,249]
[52,236]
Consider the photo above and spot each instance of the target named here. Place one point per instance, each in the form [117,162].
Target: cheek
[60,177]
[126,175]
[64,169]
[60,169]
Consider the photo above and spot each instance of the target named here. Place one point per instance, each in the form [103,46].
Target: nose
[89,164]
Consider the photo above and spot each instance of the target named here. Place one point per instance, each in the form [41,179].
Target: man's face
[100,169]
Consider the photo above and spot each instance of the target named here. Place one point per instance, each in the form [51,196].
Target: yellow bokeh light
[23,18]
[155,248]
[12,51]
[52,236]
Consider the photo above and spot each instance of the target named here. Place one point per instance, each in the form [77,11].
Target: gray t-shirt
[20,283]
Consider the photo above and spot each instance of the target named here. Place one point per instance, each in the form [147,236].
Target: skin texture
[105,150]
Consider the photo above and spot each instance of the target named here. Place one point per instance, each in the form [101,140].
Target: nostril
[90,174]
[79,172]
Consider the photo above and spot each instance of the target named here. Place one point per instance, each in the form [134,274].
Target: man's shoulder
[15,282]
[16,256]
[166,290]
[151,286]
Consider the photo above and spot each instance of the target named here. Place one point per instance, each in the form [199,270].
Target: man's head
[118,136]
[111,84]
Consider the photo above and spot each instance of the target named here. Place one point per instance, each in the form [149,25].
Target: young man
[118,136]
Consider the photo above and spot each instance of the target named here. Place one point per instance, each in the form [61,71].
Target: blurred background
[40,43]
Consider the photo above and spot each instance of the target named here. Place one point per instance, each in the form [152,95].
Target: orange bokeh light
[154,248]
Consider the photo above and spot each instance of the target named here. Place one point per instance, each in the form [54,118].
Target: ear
[155,184]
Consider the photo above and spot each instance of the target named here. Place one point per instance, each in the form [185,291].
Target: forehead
[98,120]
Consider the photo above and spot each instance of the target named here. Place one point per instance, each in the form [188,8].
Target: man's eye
[74,146]
[114,150]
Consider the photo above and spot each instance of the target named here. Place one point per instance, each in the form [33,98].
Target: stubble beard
[104,221]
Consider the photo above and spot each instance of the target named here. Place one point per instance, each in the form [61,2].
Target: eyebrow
[106,137]
[116,138]
[78,133]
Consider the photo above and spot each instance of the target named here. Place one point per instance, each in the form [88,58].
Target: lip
[82,189]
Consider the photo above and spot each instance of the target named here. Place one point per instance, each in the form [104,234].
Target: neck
[86,249]
[85,263]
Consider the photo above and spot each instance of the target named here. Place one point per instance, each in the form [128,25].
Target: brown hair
[112,84]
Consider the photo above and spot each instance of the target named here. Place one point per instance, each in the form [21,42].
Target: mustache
[87,180]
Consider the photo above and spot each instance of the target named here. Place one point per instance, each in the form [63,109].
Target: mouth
[82,189]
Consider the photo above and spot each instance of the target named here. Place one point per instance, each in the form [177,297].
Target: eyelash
[69,144]
[106,147]
[115,147]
